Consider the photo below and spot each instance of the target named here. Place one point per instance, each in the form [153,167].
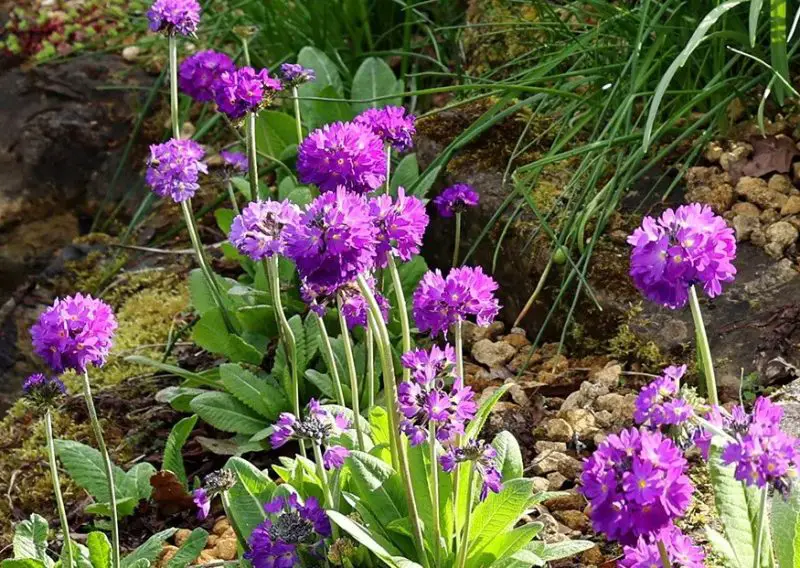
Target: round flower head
[401,224]
[198,73]
[636,484]
[214,483]
[682,552]
[256,231]
[686,247]
[174,16]
[244,90]
[235,162]
[456,199]
[294,74]
[320,426]
[334,241]
[174,169]
[42,390]
[354,306]
[440,302]
[74,332]
[342,154]
[659,404]
[393,124]
[483,457]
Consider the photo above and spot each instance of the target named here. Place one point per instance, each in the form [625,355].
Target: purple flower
[334,241]
[244,90]
[256,231]
[174,169]
[174,16]
[354,305]
[482,456]
[74,332]
[203,503]
[197,74]
[42,390]
[456,199]
[288,528]
[682,248]
[320,426]
[334,457]
[342,154]
[440,302]
[235,162]
[294,74]
[658,404]
[393,124]
[401,224]
[680,550]
[636,484]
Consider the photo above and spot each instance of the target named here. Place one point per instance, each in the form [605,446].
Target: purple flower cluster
[198,73]
[244,90]
[636,484]
[440,302]
[174,169]
[455,199]
[202,501]
[256,231]
[658,404]
[762,453]
[482,456]
[214,483]
[174,16]
[294,74]
[334,241]
[74,332]
[319,427]
[354,305]
[426,401]
[680,550]
[393,124]
[401,224]
[289,527]
[342,154]
[686,247]
[235,162]
[42,390]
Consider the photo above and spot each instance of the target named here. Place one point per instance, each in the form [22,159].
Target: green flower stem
[762,509]
[457,243]
[298,122]
[457,472]
[390,388]
[173,87]
[662,552]
[464,543]
[538,290]
[351,370]
[402,312]
[388,168]
[459,341]
[232,196]
[330,360]
[101,444]
[252,161]
[326,488]
[370,366]
[703,348]
[62,512]
[286,333]
[437,523]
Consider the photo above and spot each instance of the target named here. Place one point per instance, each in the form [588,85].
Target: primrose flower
[680,549]
[400,224]
[483,458]
[74,332]
[441,302]
[290,527]
[174,16]
[342,154]
[294,74]
[198,73]
[203,503]
[42,390]
[636,484]
[235,162]
[456,199]
[174,169]
[320,426]
[686,247]
[393,124]
[244,90]
[354,305]
[659,404]
[256,231]
[214,484]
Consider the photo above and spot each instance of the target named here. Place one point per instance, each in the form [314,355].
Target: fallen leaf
[770,154]
[169,493]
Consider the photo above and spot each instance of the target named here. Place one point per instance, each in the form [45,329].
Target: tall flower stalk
[453,201]
[351,370]
[62,512]
[437,523]
[463,545]
[703,348]
[330,360]
[252,155]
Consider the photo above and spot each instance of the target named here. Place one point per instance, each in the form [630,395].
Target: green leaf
[406,173]
[139,480]
[125,507]
[149,550]
[167,368]
[189,550]
[85,466]
[200,294]
[321,113]
[247,497]
[505,545]
[499,513]
[722,547]
[325,70]
[173,458]
[275,131]
[211,334]
[365,537]
[99,549]
[482,414]
[374,79]
[30,539]
[180,398]
[224,218]
[509,455]
[379,424]
[22,563]
[425,182]
[225,413]
[557,551]
[260,395]
[378,486]
[785,519]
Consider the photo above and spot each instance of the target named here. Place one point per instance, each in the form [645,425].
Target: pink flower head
[400,224]
[198,73]
[393,124]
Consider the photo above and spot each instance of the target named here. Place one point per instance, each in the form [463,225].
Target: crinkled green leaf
[225,413]
[173,456]
[189,550]
[785,521]
[509,455]
[30,539]
[378,486]
[504,545]
[147,551]
[499,513]
[85,466]
[373,79]
[247,498]
[364,536]
[99,549]
[259,394]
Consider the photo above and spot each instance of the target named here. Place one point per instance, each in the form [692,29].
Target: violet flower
[42,390]
[214,484]
[320,427]
[393,124]
[456,199]
[659,403]
[400,224]
[354,305]
[256,231]
[244,90]
[688,246]
[483,458]
[174,169]
[342,154]
[198,73]
[235,163]
[441,302]
[294,74]
[636,484]
[202,502]
[74,332]
[174,16]
[681,550]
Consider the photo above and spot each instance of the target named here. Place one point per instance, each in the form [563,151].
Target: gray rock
[566,465]
[757,191]
[558,430]
[555,481]
[744,225]
[493,353]
[779,236]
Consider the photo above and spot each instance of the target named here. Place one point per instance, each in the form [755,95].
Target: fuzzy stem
[459,341]
[437,524]
[232,196]
[62,512]
[402,310]
[662,552]
[101,445]
[296,101]
[464,546]
[370,366]
[388,168]
[252,161]
[457,243]
[762,509]
[703,347]
[351,370]
[330,360]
